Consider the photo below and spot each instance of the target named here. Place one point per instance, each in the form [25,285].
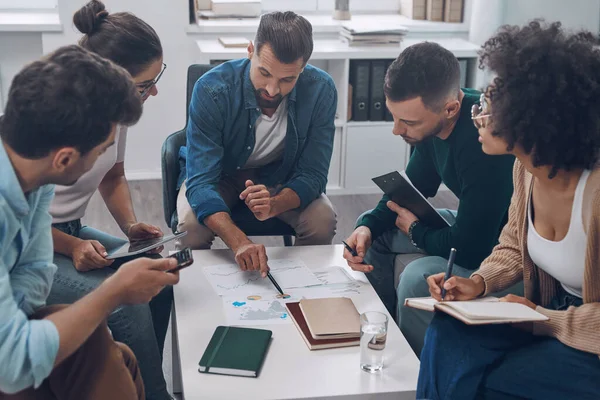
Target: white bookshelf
[362,149]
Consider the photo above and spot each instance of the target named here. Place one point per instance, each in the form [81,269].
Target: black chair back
[170,151]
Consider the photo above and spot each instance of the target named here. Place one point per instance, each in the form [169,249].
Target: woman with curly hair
[543,106]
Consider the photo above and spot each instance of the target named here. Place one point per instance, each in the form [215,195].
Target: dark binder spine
[377,96]
[359,78]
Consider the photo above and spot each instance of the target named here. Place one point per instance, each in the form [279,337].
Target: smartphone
[184,259]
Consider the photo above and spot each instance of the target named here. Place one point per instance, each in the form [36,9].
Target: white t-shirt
[270,137]
[70,202]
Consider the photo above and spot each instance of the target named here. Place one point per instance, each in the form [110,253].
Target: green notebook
[235,351]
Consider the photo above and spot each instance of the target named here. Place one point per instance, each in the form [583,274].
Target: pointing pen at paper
[449,270]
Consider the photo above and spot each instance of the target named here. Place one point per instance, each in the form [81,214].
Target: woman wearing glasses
[80,251]
[544,108]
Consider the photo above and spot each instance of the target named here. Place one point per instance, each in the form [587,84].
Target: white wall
[16,50]
[165,113]
[574,14]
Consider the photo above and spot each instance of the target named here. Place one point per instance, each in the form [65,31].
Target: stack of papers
[368,34]
[232,9]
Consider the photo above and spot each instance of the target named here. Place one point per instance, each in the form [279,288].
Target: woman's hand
[457,288]
[511,298]
[142,231]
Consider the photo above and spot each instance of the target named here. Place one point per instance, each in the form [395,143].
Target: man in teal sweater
[433,114]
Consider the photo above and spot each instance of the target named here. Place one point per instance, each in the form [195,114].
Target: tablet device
[142,246]
[402,192]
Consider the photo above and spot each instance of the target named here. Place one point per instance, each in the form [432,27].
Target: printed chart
[249,299]
[228,279]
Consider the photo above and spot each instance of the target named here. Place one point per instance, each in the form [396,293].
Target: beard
[427,136]
[263,102]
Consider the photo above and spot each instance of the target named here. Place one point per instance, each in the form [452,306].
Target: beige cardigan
[509,263]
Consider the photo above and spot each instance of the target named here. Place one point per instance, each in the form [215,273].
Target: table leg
[177,382]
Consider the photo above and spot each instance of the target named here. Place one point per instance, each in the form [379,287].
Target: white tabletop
[290,370]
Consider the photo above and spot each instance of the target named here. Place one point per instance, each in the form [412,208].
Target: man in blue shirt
[261,131]
[60,116]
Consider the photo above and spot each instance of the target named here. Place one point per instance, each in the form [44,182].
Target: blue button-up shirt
[221,135]
[28,348]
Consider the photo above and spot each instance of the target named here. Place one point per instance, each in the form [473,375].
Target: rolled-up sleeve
[310,177]
[204,154]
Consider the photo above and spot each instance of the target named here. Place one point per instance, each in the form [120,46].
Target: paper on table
[329,275]
[228,279]
[267,310]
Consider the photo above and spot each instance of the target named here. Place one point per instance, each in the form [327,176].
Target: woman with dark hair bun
[81,251]
[543,107]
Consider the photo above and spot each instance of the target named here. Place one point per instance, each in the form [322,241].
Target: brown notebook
[315,344]
[331,318]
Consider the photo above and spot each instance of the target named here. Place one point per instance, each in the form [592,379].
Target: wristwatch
[410,231]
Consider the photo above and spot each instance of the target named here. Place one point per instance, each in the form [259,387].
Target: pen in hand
[448,270]
[275,283]
[350,249]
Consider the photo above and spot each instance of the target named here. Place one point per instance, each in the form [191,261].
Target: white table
[290,370]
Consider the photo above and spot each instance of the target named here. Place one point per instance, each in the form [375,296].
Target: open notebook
[487,310]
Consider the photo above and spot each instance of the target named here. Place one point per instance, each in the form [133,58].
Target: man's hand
[252,257]
[360,241]
[141,231]
[138,281]
[404,218]
[258,200]
[88,255]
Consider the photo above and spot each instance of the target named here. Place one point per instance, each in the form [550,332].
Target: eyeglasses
[145,88]
[480,113]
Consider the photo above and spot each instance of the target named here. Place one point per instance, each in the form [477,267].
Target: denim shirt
[28,348]
[221,135]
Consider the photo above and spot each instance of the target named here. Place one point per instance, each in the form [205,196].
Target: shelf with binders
[366,99]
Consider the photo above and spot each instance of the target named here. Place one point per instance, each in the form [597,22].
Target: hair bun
[89,17]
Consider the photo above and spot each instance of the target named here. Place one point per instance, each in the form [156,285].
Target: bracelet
[410,232]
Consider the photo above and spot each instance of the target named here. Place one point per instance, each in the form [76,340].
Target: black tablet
[402,192]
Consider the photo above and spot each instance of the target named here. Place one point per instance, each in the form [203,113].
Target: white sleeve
[122,143]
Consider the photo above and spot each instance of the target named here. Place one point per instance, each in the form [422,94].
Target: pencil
[274,283]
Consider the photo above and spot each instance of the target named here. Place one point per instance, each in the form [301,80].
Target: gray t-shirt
[70,202]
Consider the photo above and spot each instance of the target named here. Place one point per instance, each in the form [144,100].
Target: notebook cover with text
[312,343]
[331,318]
[235,351]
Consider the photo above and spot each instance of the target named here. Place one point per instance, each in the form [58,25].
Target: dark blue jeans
[143,327]
[502,362]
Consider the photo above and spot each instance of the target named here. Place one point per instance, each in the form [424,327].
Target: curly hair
[546,93]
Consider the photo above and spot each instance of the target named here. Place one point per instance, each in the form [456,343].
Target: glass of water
[373,334]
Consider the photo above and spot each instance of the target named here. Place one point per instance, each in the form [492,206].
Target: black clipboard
[402,192]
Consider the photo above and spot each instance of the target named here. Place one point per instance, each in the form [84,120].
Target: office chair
[171,168]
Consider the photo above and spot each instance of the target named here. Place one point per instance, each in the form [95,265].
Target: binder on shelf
[377,96]
[435,10]
[387,115]
[453,10]
[359,78]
